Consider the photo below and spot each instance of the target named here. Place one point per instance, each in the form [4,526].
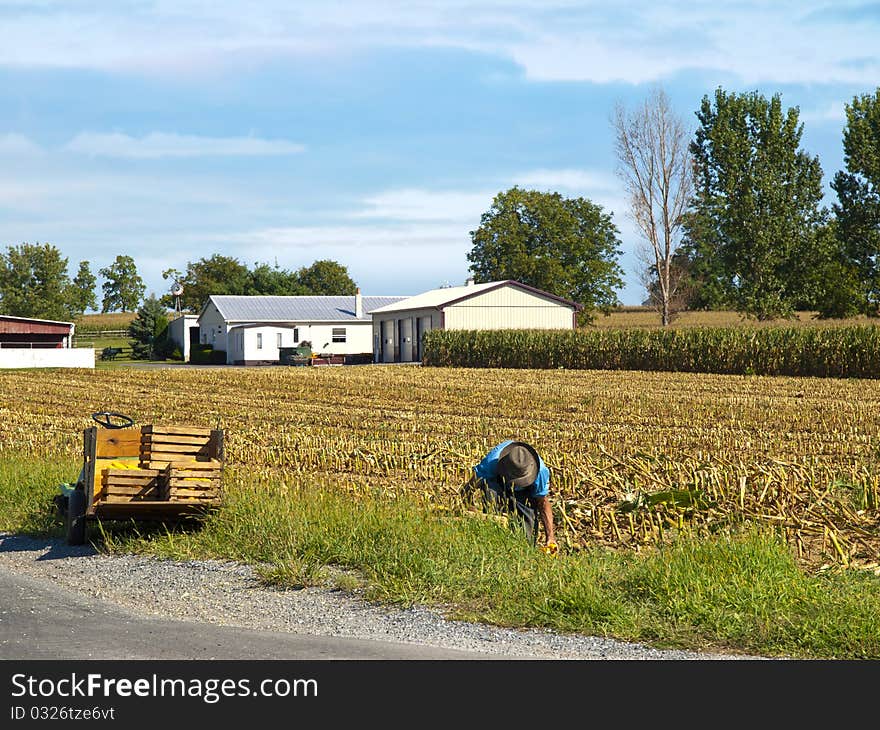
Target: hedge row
[840,352]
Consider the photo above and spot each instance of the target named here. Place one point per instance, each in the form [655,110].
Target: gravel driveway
[229,594]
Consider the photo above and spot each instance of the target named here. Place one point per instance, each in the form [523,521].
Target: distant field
[110,321]
[646,318]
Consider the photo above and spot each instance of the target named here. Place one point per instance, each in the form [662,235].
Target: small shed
[184,332]
[398,329]
[26,342]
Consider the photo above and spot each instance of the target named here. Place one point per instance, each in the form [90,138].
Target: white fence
[44,357]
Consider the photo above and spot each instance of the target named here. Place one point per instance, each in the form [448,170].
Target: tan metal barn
[398,328]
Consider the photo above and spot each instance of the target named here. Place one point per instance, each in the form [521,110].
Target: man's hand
[551,549]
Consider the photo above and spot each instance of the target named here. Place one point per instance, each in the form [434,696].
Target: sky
[373,133]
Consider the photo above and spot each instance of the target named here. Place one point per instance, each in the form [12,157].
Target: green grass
[26,491]
[742,593]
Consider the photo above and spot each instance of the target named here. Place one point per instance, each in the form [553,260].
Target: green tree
[757,204]
[273,280]
[566,246]
[705,279]
[83,295]
[216,274]
[858,194]
[34,283]
[326,278]
[831,285]
[149,331]
[123,288]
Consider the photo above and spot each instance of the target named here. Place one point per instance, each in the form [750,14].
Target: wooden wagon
[151,472]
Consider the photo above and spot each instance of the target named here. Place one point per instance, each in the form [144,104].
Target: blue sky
[371,133]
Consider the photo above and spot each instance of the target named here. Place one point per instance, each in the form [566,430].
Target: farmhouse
[40,343]
[251,329]
[398,327]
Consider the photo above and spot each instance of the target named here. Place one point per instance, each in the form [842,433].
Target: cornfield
[635,457]
[838,352]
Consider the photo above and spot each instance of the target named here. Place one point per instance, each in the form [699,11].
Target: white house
[251,329]
[40,343]
[398,328]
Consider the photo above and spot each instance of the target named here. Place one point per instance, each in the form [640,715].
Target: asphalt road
[39,620]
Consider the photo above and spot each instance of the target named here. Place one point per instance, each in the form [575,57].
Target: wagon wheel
[111,419]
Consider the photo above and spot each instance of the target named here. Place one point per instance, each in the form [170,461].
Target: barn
[251,329]
[40,343]
[508,304]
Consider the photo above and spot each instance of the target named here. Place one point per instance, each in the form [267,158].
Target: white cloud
[375,254]
[354,236]
[161,145]
[425,205]
[781,42]
[464,206]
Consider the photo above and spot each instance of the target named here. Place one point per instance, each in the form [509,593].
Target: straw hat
[518,464]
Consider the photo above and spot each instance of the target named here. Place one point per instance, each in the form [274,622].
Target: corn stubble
[636,458]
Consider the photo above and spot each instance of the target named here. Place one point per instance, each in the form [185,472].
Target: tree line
[731,217]
[35,282]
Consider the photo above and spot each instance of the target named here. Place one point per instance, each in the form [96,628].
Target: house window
[259,340]
[338,334]
[279,339]
[295,335]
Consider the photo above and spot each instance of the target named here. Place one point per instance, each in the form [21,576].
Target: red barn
[40,343]
[31,333]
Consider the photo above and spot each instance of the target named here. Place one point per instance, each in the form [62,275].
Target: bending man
[515,479]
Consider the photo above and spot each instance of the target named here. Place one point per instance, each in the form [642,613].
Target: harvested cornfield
[636,457]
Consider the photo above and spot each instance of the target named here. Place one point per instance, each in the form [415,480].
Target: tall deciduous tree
[757,203]
[216,274]
[655,165]
[34,283]
[326,278]
[858,194]
[123,288]
[566,246]
[83,295]
[273,280]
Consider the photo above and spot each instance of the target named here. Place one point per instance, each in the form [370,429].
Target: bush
[149,331]
[207,355]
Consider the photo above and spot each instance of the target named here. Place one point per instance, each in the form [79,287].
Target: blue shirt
[487,469]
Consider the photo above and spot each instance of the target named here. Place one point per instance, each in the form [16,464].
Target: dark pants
[515,503]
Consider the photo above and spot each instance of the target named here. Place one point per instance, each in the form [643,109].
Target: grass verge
[735,594]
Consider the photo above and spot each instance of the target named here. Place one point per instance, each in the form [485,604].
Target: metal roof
[296,309]
[436,297]
[439,298]
[33,319]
